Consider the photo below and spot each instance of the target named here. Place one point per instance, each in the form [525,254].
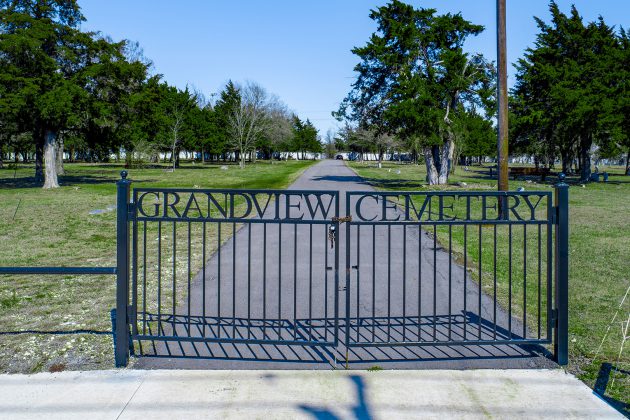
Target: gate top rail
[450,207]
[234,205]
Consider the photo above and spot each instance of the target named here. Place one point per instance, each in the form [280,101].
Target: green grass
[599,272]
[55,228]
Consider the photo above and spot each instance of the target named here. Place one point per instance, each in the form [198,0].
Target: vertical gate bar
[539,278]
[134,270]
[465,278]
[326,230]
[494,275]
[310,282]
[295,320]
[510,280]
[219,279]
[358,278]
[561,342]
[233,280]
[434,282]
[189,275]
[348,264]
[249,279]
[419,282]
[159,278]
[389,281]
[203,278]
[174,274]
[264,321]
[144,277]
[550,263]
[279,281]
[374,283]
[404,279]
[336,291]
[450,278]
[480,281]
[524,281]
[122,270]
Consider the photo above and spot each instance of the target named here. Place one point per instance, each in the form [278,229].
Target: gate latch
[332,234]
[332,230]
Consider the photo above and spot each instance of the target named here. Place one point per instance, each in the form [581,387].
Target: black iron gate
[411,279]
[234,266]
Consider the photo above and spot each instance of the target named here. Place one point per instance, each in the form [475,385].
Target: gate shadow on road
[197,347]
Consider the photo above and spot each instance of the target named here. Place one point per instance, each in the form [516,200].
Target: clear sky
[297,49]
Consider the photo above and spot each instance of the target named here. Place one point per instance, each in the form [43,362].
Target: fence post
[122,271]
[561,332]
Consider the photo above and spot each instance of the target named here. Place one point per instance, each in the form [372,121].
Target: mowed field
[75,225]
[599,255]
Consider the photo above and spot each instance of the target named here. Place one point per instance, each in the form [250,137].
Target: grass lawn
[55,228]
[599,264]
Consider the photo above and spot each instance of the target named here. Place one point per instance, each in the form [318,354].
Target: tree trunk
[446,157]
[242,159]
[59,155]
[39,159]
[566,162]
[432,172]
[585,158]
[50,160]
[628,163]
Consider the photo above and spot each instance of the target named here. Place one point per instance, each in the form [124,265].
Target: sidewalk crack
[130,398]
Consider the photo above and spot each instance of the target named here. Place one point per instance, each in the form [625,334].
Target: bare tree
[279,129]
[177,120]
[248,119]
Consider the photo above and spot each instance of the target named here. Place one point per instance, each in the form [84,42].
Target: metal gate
[234,266]
[262,267]
[408,264]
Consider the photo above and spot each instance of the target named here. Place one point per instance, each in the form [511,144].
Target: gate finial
[123,174]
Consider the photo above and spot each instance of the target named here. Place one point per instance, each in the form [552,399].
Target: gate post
[121,350]
[561,331]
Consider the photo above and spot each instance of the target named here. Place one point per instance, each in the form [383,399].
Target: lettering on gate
[437,207]
[234,205]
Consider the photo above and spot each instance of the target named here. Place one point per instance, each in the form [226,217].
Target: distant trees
[415,82]
[571,92]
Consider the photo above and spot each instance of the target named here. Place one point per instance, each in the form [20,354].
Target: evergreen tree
[414,78]
[566,87]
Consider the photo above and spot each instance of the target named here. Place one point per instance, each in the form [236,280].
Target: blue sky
[299,50]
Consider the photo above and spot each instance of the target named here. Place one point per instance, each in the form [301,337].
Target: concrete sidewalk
[173,394]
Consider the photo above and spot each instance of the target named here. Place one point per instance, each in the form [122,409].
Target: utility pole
[502,146]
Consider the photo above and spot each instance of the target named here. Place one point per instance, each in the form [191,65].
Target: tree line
[418,90]
[64,90]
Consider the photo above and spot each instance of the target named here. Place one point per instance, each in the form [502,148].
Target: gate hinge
[554,215]
[342,219]
[131,209]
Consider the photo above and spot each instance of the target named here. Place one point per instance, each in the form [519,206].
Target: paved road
[287,270]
